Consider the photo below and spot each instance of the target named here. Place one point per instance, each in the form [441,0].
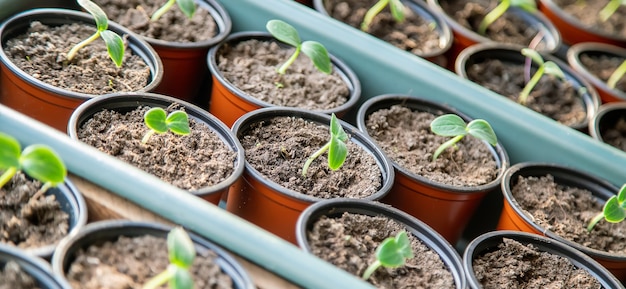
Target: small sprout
[547,67]
[157,120]
[614,210]
[336,147]
[181,255]
[454,126]
[396,7]
[493,15]
[187,6]
[617,75]
[114,43]
[313,49]
[38,161]
[610,9]
[391,253]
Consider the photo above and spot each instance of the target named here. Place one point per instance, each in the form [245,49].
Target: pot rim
[594,125]
[32,265]
[573,58]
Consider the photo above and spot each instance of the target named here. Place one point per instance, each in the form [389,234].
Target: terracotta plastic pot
[109,231]
[607,117]
[274,207]
[41,101]
[489,242]
[513,217]
[445,208]
[334,208]
[37,268]
[125,102]
[229,103]
[596,49]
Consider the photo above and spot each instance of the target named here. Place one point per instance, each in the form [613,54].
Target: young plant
[181,255]
[614,210]
[610,9]
[187,6]
[503,6]
[336,147]
[313,49]
[114,43]
[396,7]
[454,126]
[545,67]
[391,253]
[38,161]
[157,120]
[616,75]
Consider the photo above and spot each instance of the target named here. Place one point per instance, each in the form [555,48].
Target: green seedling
[114,43]
[187,6]
[616,75]
[336,147]
[391,253]
[313,49]
[396,7]
[157,120]
[454,126]
[38,161]
[610,9]
[181,255]
[614,210]
[545,67]
[503,6]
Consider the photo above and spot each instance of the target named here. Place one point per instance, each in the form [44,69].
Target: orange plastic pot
[596,49]
[229,103]
[41,101]
[514,218]
[274,207]
[445,208]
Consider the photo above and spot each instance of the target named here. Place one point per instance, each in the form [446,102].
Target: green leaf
[178,122]
[526,5]
[337,153]
[448,125]
[613,212]
[481,129]
[155,119]
[393,252]
[318,54]
[102,22]
[182,279]
[115,46]
[534,55]
[397,10]
[336,129]
[42,163]
[621,195]
[283,32]
[10,151]
[553,69]
[188,7]
[180,248]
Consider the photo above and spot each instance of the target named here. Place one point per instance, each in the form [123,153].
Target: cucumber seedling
[181,254]
[188,7]
[614,210]
[503,6]
[158,121]
[336,147]
[454,126]
[396,7]
[391,253]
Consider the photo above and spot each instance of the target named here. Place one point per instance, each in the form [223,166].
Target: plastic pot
[125,102]
[34,266]
[274,207]
[596,49]
[229,103]
[607,117]
[445,208]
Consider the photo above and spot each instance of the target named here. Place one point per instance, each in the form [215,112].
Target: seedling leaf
[155,119]
[318,54]
[552,68]
[448,125]
[613,212]
[182,279]
[187,6]
[102,22]
[397,10]
[481,129]
[10,150]
[391,253]
[533,54]
[180,248]
[115,46]
[283,32]
[178,122]
[42,163]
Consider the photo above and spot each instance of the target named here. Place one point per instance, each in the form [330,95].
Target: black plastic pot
[37,268]
[596,49]
[23,5]
[608,115]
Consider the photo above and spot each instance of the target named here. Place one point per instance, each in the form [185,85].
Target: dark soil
[616,135]
[415,34]
[405,136]
[191,162]
[13,277]
[29,223]
[551,97]
[41,52]
[602,66]
[173,26]
[278,148]
[350,242]
[567,211]
[587,13]
[251,66]
[514,265]
[130,262]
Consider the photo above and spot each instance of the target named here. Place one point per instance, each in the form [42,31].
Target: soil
[13,277]
[405,136]
[566,211]
[41,52]
[616,135]
[602,66]
[278,148]
[415,34]
[197,160]
[27,223]
[173,26]
[350,241]
[130,262]
[551,97]
[251,67]
[587,13]
[524,266]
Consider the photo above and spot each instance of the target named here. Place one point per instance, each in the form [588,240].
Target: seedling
[545,67]
[313,49]
[614,210]
[38,161]
[114,43]
[181,256]
[396,7]
[617,75]
[454,126]
[391,253]
[336,147]
[157,120]
[503,6]
[610,9]
[187,6]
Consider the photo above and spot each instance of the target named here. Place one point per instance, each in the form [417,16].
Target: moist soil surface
[173,26]
[27,223]
[278,148]
[251,66]
[13,277]
[566,211]
[586,12]
[191,162]
[42,53]
[515,265]
[616,135]
[405,136]
[350,241]
[551,97]
[130,262]
[602,66]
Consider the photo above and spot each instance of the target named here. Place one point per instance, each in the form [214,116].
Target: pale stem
[310,160]
[283,68]
[371,269]
[162,10]
[493,15]
[146,137]
[371,13]
[530,85]
[594,221]
[616,75]
[7,175]
[446,145]
[159,279]
[74,50]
